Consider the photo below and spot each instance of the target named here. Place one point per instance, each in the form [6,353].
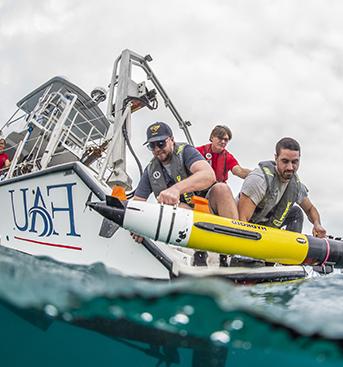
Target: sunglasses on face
[160,144]
[226,140]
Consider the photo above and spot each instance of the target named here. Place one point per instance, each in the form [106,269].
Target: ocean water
[66,315]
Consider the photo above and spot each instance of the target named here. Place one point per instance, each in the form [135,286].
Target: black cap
[158,131]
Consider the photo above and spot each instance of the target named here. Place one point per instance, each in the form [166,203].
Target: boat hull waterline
[198,230]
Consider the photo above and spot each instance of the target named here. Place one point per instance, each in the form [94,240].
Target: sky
[265,68]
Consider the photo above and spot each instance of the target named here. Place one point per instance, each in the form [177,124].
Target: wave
[210,316]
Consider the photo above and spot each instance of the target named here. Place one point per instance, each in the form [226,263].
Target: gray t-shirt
[255,187]
[190,155]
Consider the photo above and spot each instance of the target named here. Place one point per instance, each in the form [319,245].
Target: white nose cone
[159,222]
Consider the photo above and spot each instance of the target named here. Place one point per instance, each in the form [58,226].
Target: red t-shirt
[225,165]
[3,159]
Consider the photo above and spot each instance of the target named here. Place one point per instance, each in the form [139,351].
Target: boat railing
[56,131]
[67,124]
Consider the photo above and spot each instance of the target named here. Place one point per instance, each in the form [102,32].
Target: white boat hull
[45,215]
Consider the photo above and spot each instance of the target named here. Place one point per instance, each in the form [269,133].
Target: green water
[56,314]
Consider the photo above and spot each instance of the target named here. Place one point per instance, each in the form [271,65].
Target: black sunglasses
[160,144]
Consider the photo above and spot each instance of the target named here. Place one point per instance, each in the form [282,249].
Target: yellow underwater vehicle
[201,230]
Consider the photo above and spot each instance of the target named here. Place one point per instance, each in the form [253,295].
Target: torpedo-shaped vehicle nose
[114,214]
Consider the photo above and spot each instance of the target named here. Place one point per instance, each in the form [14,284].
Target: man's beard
[166,159]
[287,175]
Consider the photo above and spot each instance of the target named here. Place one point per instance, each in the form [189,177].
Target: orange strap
[119,192]
[200,204]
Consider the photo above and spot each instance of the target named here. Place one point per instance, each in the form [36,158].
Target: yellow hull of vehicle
[204,231]
[273,245]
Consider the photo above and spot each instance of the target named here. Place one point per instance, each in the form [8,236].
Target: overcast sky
[266,68]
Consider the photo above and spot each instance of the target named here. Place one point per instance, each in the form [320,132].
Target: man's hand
[170,196]
[136,237]
[313,215]
[319,231]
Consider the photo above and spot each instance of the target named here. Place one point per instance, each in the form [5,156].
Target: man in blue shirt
[177,171]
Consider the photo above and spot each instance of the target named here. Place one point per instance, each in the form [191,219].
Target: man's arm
[143,189]
[314,217]
[252,193]
[246,207]
[7,163]
[202,177]
[240,171]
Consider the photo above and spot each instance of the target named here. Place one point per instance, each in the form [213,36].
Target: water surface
[58,314]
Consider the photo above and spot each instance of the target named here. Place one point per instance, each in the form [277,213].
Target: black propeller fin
[114,202]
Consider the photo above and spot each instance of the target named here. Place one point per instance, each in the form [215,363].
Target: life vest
[221,170]
[268,208]
[157,173]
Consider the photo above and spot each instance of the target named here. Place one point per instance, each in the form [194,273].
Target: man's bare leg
[222,201]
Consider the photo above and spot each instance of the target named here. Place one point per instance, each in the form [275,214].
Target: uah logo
[40,199]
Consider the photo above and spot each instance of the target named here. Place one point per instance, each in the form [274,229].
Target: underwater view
[68,315]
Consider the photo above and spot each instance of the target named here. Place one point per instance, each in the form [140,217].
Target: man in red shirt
[4,161]
[219,158]
[222,162]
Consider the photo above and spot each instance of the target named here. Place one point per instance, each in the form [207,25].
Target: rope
[327,252]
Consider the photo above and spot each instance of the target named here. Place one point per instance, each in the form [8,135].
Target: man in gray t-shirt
[269,193]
